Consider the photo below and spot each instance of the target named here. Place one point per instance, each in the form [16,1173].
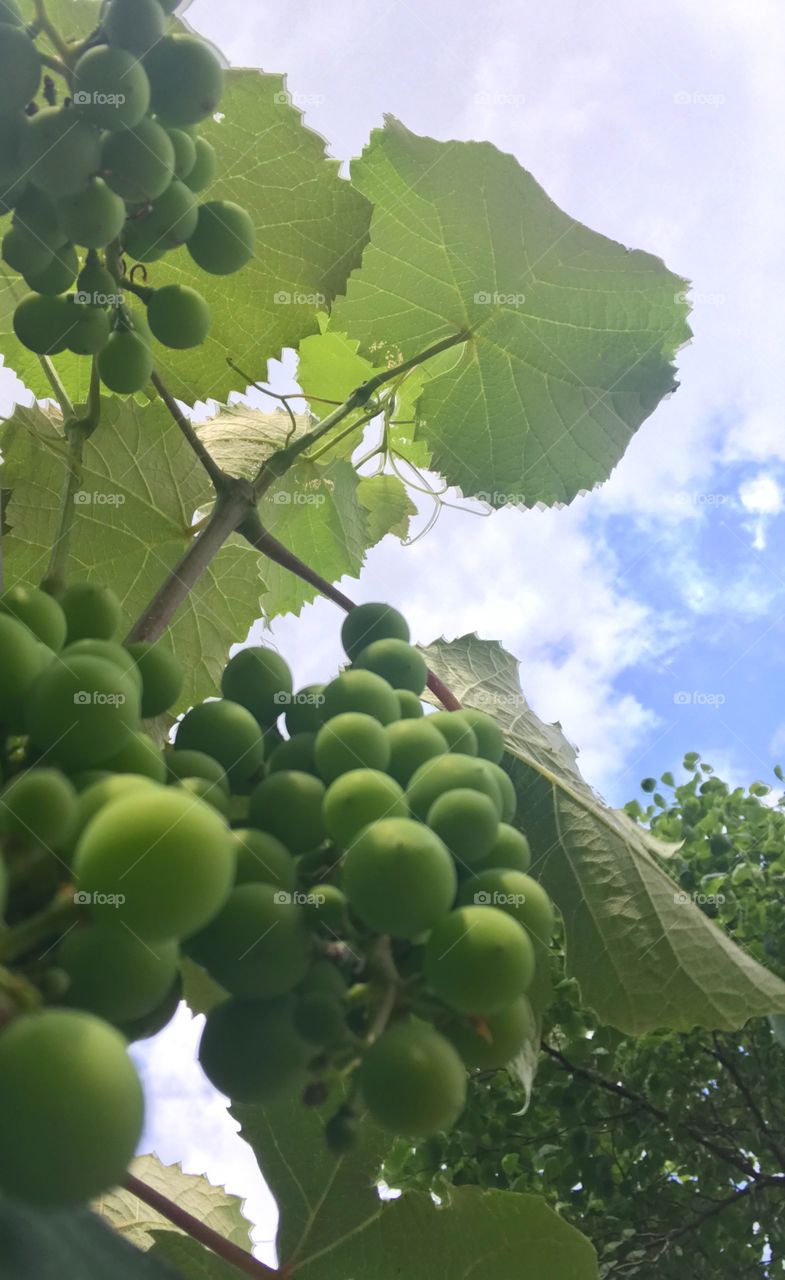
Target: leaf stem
[54,579]
[53,921]
[216,474]
[47,28]
[60,393]
[218,1244]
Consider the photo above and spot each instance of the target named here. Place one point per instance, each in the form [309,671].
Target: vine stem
[55,576]
[218,1244]
[215,473]
[60,393]
[48,29]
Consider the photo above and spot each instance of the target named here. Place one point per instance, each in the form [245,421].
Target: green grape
[80,711]
[126,363]
[113,974]
[201,789]
[93,216]
[184,152]
[202,174]
[399,877]
[413,1081]
[259,679]
[41,324]
[515,893]
[410,705]
[111,88]
[38,611]
[360,691]
[96,282]
[325,910]
[178,316]
[467,822]
[510,849]
[139,242]
[289,806]
[358,798]
[295,753]
[158,1018]
[506,789]
[195,764]
[348,742]
[370,622]
[257,946]
[111,652]
[13,170]
[263,859]
[38,806]
[37,215]
[185,880]
[186,79]
[162,676]
[138,163]
[85,778]
[88,330]
[500,1038]
[59,275]
[100,792]
[478,959]
[62,151]
[397,662]
[323,976]
[250,1050]
[229,733]
[412,743]
[490,739]
[304,710]
[139,755]
[91,612]
[320,1019]
[342,1133]
[456,731]
[67,1089]
[446,773]
[166,224]
[224,238]
[23,659]
[135,25]
[25,253]
[20,68]
[10,15]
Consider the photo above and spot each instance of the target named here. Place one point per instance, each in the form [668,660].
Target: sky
[649,616]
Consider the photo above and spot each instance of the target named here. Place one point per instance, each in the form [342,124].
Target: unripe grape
[37,610]
[348,742]
[501,1037]
[138,163]
[456,731]
[184,152]
[162,676]
[13,169]
[370,622]
[135,25]
[59,275]
[397,662]
[41,324]
[96,795]
[178,316]
[515,893]
[113,974]
[342,1133]
[259,679]
[38,806]
[172,858]
[304,710]
[36,215]
[413,1081]
[229,733]
[22,660]
[358,798]
[186,79]
[96,280]
[446,773]
[224,238]
[411,707]
[139,755]
[510,849]
[25,253]
[20,69]
[325,911]
[111,88]
[140,244]
[125,364]
[250,1049]
[201,789]
[506,789]
[467,822]
[478,959]
[412,743]
[203,170]
[80,711]
[62,151]
[262,859]
[93,216]
[295,753]
[289,806]
[399,877]
[323,976]
[110,651]
[490,739]
[91,611]
[195,764]
[67,1089]
[158,1018]
[166,224]
[320,1019]
[88,330]
[360,691]
[257,945]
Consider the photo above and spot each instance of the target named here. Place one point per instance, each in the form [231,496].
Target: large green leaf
[572,335]
[69,1246]
[645,957]
[140,488]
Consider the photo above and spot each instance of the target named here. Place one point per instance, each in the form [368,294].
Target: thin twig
[60,393]
[207,460]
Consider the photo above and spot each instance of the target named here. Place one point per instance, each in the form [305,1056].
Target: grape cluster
[350,879]
[111,174]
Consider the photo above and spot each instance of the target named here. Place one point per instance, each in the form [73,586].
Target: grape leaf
[388,505]
[644,958]
[571,334]
[241,439]
[73,1244]
[192,1260]
[140,488]
[200,992]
